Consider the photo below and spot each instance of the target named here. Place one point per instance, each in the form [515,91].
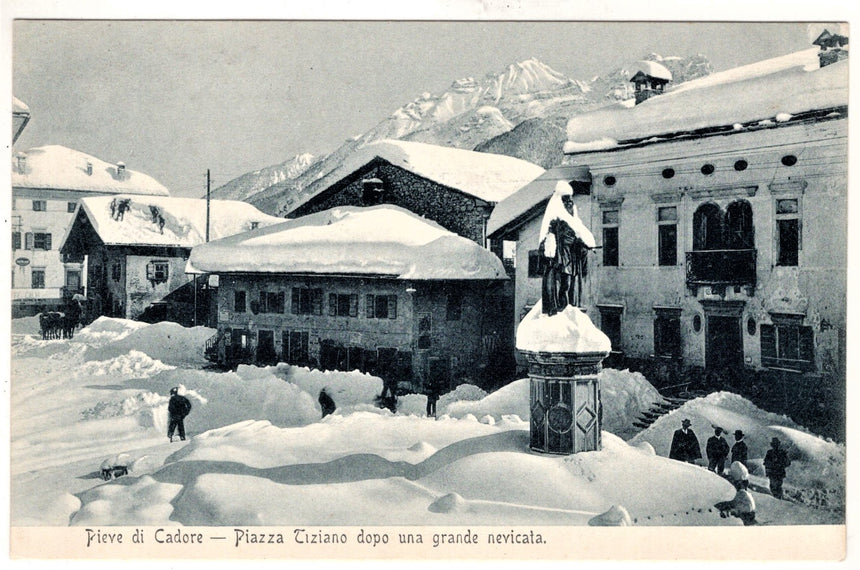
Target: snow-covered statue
[564,244]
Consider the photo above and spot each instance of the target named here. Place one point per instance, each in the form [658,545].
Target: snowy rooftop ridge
[61,168]
[184,220]
[490,177]
[380,240]
[791,84]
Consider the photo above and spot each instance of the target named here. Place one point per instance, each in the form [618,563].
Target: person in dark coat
[739,449]
[326,403]
[775,462]
[685,444]
[432,398]
[177,409]
[717,450]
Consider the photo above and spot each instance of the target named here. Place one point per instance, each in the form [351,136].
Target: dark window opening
[739,226]
[116,271]
[16,240]
[294,347]
[70,207]
[788,232]
[343,305]
[741,165]
[668,173]
[789,160]
[609,181]
[708,228]
[668,244]
[37,279]
[425,330]
[535,267]
[667,334]
[157,271]
[272,301]
[707,169]
[381,307]
[610,324]
[37,240]
[610,247]
[239,301]
[40,206]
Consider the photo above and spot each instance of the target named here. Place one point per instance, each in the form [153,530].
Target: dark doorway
[266,348]
[724,348]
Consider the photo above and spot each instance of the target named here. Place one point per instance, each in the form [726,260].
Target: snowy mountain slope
[251,183]
[472,111]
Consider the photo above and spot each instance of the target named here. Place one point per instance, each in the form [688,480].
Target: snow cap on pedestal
[568,331]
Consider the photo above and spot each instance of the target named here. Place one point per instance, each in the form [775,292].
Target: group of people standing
[685,447]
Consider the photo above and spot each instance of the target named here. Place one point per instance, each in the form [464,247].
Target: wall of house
[53,220]
[455,211]
[815,289]
[141,291]
[459,343]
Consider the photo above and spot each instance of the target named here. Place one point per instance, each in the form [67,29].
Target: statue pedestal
[566,411]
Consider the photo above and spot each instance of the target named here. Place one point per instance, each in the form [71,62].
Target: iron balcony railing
[721,267]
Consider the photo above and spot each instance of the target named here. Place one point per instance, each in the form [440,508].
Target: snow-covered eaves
[376,241]
[791,85]
[59,168]
[490,177]
[184,220]
[530,200]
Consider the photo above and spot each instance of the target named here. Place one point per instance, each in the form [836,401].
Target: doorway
[724,344]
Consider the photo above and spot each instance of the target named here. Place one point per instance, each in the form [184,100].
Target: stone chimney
[832,48]
[120,170]
[89,168]
[21,163]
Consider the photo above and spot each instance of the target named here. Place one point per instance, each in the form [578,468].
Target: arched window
[739,226]
[708,228]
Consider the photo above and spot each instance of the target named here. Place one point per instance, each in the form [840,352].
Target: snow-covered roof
[653,69]
[532,195]
[19,106]
[786,85]
[184,220]
[61,168]
[379,240]
[490,177]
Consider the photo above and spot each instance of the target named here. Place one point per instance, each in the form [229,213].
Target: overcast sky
[172,99]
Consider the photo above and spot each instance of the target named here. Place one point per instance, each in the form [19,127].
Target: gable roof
[60,168]
[773,90]
[375,241]
[530,201]
[184,220]
[490,177]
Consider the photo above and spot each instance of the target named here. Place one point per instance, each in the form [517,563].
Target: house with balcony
[136,249]
[377,289]
[48,182]
[719,208]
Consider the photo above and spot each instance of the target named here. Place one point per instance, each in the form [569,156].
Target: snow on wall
[58,167]
[789,84]
[381,240]
[184,220]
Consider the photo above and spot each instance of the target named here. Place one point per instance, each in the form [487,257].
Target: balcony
[721,267]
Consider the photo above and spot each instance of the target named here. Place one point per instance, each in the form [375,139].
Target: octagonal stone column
[564,353]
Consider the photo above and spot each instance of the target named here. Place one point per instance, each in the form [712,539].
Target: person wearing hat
[743,504]
[775,462]
[177,409]
[326,403]
[717,450]
[685,444]
[739,449]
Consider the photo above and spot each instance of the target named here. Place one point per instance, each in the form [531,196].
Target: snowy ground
[258,453]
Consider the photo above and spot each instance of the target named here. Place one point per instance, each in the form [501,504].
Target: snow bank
[105,330]
[134,364]
[568,331]
[168,342]
[26,325]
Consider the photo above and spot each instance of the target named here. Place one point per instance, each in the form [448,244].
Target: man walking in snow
[685,444]
[739,449]
[177,409]
[717,451]
[775,462]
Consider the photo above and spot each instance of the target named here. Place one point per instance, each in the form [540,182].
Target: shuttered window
[381,306]
[16,240]
[305,301]
[157,271]
[37,240]
[787,346]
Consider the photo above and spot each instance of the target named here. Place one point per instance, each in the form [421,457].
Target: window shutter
[353,305]
[47,242]
[392,306]
[316,301]
[768,345]
[295,301]
[150,271]
[807,346]
[332,304]
[370,309]
[28,240]
[16,240]
[282,297]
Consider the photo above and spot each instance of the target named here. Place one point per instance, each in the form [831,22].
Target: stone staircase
[680,394]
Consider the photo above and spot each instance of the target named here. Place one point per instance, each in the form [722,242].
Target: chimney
[831,48]
[650,80]
[89,168]
[120,170]
[22,163]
